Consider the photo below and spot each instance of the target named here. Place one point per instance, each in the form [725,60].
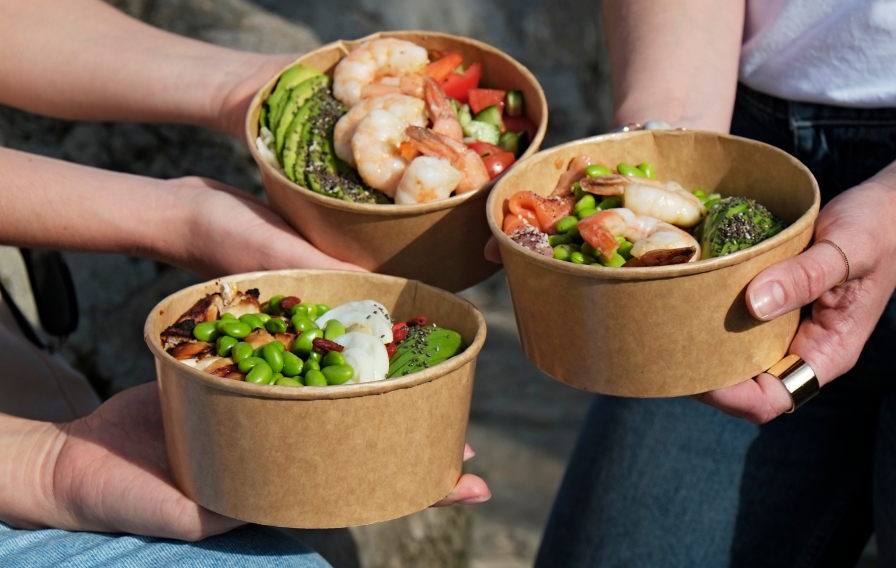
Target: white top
[840,52]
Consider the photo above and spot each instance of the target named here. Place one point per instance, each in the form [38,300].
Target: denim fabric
[251,546]
[669,483]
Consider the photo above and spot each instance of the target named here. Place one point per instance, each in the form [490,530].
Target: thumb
[796,282]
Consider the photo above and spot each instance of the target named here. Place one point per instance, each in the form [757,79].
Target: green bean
[332,358]
[240,351]
[561,252]
[338,374]
[250,363]
[565,224]
[629,170]
[315,379]
[288,382]
[301,323]
[273,356]
[583,213]
[206,331]
[225,345]
[557,240]
[597,170]
[292,365]
[260,374]
[333,329]
[647,169]
[322,309]
[276,325]
[311,366]
[587,202]
[252,320]
[274,305]
[302,346]
[609,203]
[236,329]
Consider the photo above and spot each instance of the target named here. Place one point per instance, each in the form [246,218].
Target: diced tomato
[484,98]
[497,163]
[519,123]
[457,86]
[444,66]
[485,149]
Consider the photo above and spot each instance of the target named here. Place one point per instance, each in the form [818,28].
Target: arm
[84,60]
[674,61]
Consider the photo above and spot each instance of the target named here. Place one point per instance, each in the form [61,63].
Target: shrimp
[427,179]
[574,172]
[441,113]
[540,212]
[667,202]
[466,161]
[647,233]
[408,109]
[376,147]
[373,60]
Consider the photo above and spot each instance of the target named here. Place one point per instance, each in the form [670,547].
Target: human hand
[242,84]
[231,231]
[842,317]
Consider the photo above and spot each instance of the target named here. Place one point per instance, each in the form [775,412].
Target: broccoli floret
[736,223]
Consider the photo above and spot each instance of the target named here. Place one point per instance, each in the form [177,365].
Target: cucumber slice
[483,131]
[513,103]
[491,115]
[510,141]
[464,116]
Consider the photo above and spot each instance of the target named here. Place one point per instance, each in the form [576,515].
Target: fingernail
[767,300]
[468,453]
[475,500]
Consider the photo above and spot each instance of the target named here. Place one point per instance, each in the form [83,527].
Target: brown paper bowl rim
[391,210]
[319,393]
[806,220]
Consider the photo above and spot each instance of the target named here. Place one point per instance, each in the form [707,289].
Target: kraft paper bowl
[319,457]
[438,243]
[658,331]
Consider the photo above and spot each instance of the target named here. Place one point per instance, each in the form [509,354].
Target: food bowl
[319,457]
[667,330]
[439,243]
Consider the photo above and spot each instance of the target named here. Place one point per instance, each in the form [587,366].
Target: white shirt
[822,51]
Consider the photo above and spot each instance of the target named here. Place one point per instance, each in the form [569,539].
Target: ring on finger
[798,378]
[843,254]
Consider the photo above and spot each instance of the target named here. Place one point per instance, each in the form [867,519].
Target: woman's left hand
[842,317]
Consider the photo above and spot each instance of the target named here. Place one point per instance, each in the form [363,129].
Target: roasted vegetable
[736,223]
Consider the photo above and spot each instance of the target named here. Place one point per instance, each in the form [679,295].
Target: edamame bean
[578,191]
[589,250]
[274,305]
[337,374]
[250,363]
[252,320]
[582,213]
[228,316]
[305,308]
[273,356]
[567,223]
[322,309]
[288,382]
[265,318]
[315,379]
[575,233]
[561,252]
[279,345]
[206,331]
[597,170]
[275,377]
[557,240]
[609,203]
[276,325]
[615,260]
[301,323]
[332,358]
[316,357]
[225,345]
[311,366]
[577,258]
[240,351]
[333,329]
[625,250]
[292,365]
[629,170]
[302,346]
[260,374]
[587,202]
[648,170]
[236,329]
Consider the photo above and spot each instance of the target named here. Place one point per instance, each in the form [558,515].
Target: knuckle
[809,280]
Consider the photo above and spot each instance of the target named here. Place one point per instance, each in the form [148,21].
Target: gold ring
[798,378]
[843,254]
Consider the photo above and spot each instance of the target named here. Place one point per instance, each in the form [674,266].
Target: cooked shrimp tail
[647,233]
[441,113]
[465,160]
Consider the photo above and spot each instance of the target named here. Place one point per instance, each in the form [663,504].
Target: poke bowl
[334,455]
[655,330]
[436,242]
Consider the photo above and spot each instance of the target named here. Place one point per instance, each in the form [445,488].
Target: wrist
[240,80]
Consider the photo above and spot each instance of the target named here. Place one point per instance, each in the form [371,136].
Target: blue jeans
[671,482]
[251,546]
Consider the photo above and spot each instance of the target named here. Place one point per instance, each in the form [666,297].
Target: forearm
[84,60]
[48,203]
[674,60]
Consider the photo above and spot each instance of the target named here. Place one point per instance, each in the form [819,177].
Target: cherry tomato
[497,163]
[519,123]
[457,86]
[484,98]
[485,149]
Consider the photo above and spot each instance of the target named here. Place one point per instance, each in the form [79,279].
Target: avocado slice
[424,347]
[297,97]
[295,147]
[290,79]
